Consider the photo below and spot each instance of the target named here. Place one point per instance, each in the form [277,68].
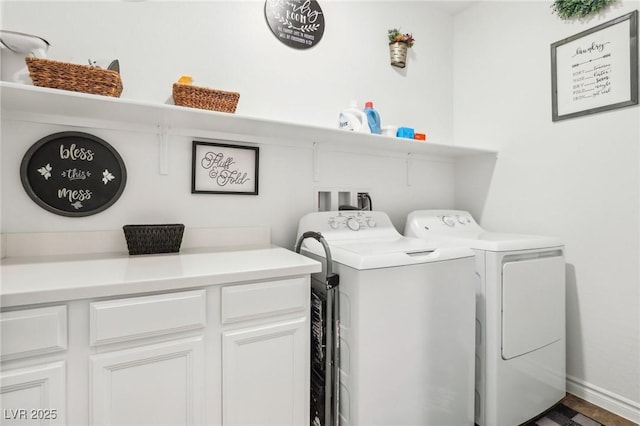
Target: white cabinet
[265,353]
[148,383]
[134,318]
[236,354]
[35,392]
[159,384]
[29,332]
[265,368]
[34,395]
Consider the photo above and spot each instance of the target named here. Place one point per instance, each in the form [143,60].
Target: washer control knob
[463,220]
[334,224]
[448,220]
[353,224]
[371,223]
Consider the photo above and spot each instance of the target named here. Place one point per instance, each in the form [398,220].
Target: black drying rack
[325,341]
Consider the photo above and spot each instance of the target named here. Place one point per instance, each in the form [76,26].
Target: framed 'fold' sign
[223,168]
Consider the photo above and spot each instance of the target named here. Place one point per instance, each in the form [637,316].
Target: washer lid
[380,247]
[374,254]
[368,240]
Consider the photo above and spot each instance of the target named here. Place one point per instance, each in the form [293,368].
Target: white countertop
[56,279]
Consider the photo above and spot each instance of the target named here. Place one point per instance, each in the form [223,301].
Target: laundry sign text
[222,168]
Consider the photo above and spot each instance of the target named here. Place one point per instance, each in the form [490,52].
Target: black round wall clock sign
[73,174]
[296,23]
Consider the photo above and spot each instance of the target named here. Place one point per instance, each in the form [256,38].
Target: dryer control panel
[455,218]
[432,223]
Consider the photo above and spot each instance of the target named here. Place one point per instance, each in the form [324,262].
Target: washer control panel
[352,220]
[349,225]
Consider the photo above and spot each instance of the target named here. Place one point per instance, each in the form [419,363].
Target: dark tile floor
[596,413]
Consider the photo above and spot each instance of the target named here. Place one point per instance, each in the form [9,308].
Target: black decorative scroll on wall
[73,174]
[296,23]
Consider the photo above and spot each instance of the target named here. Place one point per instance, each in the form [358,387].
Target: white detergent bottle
[354,119]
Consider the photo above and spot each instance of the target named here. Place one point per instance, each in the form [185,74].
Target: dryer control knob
[353,224]
[371,223]
[334,224]
[448,220]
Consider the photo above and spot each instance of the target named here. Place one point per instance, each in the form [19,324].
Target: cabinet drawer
[138,317]
[251,301]
[33,332]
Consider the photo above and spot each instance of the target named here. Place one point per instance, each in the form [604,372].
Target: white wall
[227,45]
[577,179]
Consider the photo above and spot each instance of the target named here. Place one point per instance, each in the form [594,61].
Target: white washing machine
[520,314]
[406,322]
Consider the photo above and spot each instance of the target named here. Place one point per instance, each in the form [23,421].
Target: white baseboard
[603,398]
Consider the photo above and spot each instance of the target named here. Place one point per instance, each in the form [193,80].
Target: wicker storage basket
[152,239]
[204,98]
[74,77]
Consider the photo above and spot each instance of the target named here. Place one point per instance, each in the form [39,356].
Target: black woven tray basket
[152,239]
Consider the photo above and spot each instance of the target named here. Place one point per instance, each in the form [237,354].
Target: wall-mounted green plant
[568,9]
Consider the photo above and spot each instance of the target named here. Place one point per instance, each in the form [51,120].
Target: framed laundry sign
[596,70]
[73,174]
[222,168]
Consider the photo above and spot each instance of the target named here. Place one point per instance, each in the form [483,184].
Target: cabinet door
[158,384]
[29,332]
[265,374]
[33,395]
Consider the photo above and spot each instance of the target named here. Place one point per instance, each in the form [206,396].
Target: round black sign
[73,174]
[296,23]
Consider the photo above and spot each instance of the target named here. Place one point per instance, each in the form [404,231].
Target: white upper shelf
[79,109]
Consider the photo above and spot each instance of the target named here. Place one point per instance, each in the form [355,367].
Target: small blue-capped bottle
[373,118]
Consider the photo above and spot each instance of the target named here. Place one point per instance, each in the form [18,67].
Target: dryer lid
[457,228]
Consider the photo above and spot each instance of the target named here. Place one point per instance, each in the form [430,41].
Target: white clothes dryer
[520,314]
[406,322]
